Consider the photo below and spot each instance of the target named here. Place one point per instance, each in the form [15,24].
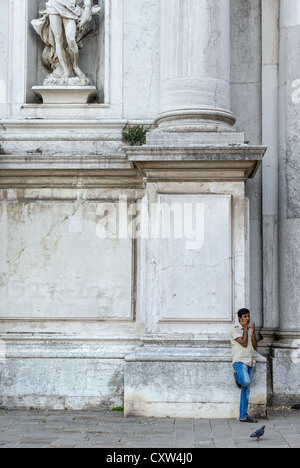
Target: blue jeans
[243,376]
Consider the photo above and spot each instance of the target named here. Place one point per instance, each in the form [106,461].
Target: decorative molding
[195,120]
[196,162]
[69,178]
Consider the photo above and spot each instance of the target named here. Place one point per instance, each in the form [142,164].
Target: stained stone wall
[4,8]
[81,315]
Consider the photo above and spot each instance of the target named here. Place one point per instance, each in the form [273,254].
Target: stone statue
[61,28]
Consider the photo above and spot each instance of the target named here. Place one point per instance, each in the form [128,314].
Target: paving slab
[110,430]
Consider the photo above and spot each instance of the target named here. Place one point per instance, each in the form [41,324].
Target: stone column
[286,368]
[195,66]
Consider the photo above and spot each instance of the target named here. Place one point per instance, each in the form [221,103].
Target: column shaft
[195,65]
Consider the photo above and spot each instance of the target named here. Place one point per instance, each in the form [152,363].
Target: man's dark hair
[242,312]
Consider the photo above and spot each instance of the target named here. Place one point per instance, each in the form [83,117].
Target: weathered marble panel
[53,264]
[196,257]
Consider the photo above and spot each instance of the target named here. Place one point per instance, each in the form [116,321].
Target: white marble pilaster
[270,123]
[286,371]
[289,166]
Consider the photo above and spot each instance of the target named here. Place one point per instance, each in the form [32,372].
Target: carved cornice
[231,162]
[161,163]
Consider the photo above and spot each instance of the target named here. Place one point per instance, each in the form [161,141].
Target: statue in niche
[62,27]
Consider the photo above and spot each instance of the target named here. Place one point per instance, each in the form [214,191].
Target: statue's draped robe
[64,8]
[42,27]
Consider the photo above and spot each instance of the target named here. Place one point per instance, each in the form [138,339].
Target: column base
[196,120]
[161,137]
[285,367]
[207,127]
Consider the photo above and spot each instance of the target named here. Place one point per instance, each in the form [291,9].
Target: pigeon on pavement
[259,433]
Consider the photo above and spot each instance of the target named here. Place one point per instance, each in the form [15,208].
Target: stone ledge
[185,353]
[201,162]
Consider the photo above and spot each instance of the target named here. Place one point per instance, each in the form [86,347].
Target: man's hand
[243,341]
[244,322]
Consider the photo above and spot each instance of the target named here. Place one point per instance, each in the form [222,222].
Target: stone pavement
[109,429]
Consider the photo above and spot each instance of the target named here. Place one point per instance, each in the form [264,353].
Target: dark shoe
[237,384]
[248,420]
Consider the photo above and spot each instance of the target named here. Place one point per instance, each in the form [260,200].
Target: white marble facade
[122,268]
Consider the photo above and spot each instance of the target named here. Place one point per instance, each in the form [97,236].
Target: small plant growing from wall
[135,135]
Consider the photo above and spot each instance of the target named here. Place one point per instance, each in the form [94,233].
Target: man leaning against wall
[244,345]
